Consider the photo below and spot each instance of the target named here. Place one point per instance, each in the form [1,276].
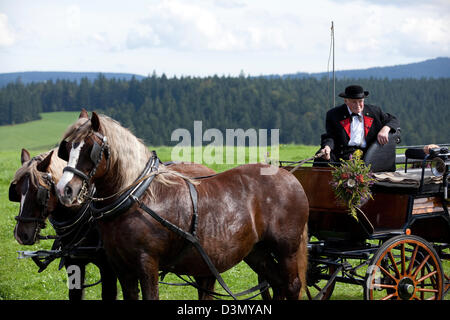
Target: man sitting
[354,125]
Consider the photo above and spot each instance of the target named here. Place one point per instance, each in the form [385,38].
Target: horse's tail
[302,260]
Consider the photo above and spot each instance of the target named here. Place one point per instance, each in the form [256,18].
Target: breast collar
[128,198]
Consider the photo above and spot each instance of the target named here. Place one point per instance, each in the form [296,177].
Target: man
[354,125]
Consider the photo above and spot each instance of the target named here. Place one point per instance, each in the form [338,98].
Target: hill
[433,68]
[42,76]
[42,134]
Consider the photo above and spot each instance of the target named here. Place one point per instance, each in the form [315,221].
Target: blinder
[42,195]
[13,195]
[62,151]
[96,152]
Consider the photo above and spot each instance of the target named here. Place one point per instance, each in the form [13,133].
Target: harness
[42,197]
[96,156]
[133,194]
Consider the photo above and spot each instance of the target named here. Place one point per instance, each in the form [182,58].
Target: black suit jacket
[337,126]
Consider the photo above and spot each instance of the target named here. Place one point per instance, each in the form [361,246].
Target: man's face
[355,105]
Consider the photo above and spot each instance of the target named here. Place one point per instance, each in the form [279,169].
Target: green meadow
[19,279]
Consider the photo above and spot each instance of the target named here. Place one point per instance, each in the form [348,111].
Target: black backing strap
[192,239]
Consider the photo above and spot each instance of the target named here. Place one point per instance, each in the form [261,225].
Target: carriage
[396,247]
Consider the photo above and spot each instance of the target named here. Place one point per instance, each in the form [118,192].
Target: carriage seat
[382,157]
[408,179]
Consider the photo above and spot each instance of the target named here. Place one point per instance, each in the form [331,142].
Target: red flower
[345,176]
[360,178]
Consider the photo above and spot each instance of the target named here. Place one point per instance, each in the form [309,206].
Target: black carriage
[396,247]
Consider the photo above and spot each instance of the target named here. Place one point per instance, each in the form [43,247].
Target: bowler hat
[354,92]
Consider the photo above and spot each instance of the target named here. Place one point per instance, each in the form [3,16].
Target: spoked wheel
[316,283]
[404,268]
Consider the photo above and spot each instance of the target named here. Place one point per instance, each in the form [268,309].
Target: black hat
[354,92]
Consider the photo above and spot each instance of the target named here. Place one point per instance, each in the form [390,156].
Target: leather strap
[192,239]
[76,172]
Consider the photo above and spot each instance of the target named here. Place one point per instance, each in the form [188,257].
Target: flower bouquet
[351,182]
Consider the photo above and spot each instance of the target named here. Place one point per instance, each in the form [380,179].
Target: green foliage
[155,106]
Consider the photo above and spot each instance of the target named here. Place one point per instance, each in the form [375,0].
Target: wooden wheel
[404,268]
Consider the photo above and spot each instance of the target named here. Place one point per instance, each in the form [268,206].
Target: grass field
[19,278]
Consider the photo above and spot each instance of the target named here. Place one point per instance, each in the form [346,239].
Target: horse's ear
[84,114]
[44,164]
[95,121]
[25,156]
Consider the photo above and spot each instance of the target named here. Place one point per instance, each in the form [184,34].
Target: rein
[302,162]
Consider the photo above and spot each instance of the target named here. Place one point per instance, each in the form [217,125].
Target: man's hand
[383,135]
[427,148]
[326,152]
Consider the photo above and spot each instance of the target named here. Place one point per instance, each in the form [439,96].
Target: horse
[242,214]
[36,179]
[33,186]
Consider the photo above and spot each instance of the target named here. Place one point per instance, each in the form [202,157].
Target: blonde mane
[30,167]
[128,154]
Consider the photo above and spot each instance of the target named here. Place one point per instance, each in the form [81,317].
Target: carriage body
[401,220]
[394,209]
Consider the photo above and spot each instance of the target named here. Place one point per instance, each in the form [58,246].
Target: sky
[219,37]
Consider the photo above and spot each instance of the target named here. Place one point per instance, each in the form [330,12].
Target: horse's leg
[289,268]
[293,264]
[148,277]
[206,283]
[76,279]
[109,280]
[262,262]
[129,284]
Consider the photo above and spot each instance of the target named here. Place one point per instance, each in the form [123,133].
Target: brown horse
[33,187]
[242,214]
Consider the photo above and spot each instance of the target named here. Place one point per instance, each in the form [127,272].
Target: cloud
[73,17]
[7,37]
[205,26]
[413,32]
[397,3]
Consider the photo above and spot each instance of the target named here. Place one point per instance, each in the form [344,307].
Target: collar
[350,112]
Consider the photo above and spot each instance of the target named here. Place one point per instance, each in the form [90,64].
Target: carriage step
[386,233]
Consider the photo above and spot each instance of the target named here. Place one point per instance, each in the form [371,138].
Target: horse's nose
[68,192]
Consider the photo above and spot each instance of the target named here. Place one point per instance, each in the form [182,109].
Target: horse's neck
[125,167]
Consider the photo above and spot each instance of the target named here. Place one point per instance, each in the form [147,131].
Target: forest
[155,106]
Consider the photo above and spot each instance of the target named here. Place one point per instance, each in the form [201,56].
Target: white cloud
[73,17]
[201,37]
[7,37]
[203,26]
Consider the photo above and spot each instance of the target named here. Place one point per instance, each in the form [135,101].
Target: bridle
[42,197]
[96,156]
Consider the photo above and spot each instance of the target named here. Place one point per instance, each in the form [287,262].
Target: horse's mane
[30,167]
[128,154]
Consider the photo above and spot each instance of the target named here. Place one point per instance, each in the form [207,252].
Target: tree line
[157,105]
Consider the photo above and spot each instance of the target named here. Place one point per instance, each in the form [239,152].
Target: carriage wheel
[404,268]
[314,282]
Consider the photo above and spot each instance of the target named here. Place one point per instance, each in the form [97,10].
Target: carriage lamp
[440,166]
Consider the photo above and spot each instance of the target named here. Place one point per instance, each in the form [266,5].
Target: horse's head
[32,187]
[86,149]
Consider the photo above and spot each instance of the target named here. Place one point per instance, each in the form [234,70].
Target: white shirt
[357,131]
